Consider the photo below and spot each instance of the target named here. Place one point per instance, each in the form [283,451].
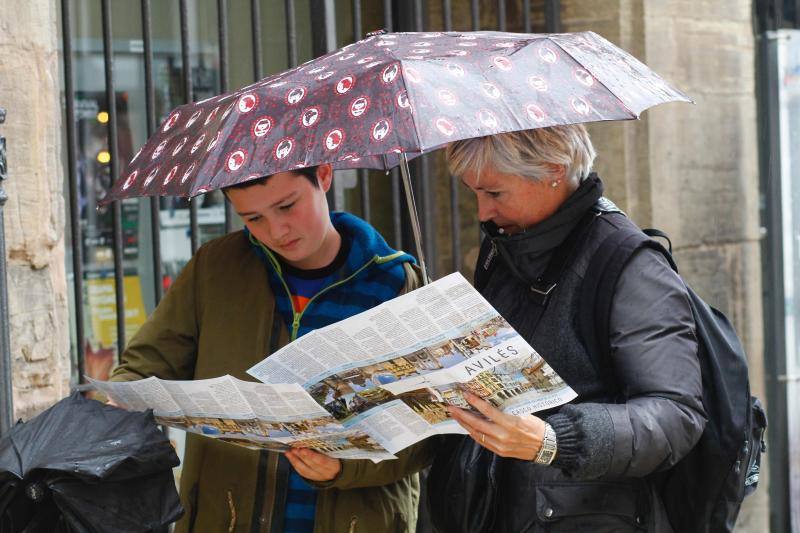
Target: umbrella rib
[391,54]
[624,105]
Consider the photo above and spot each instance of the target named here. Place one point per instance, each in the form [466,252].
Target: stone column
[34,215]
[692,170]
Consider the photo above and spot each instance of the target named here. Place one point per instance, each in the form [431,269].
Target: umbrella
[389,98]
[82,466]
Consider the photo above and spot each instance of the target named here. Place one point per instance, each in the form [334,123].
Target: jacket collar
[530,250]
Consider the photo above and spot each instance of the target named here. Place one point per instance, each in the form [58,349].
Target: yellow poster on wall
[102,309]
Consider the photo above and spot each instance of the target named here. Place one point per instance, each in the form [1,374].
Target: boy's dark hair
[310,174]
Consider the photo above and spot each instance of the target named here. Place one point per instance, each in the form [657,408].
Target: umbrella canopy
[87,467]
[391,94]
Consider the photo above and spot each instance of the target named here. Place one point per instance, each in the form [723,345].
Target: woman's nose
[485,210]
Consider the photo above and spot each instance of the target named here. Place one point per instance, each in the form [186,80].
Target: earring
[555,183]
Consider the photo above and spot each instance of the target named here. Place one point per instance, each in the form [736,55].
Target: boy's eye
[493,194]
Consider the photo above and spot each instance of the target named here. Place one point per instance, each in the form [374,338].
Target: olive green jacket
[219,318]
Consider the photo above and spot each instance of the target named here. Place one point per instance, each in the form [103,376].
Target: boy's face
[290,216]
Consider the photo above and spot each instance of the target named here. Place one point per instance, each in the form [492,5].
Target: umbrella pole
[412,214]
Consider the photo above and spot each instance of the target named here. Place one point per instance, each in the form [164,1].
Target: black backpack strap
[597,293]
[652,232]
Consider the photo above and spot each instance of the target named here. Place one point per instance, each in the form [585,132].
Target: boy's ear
[325,176]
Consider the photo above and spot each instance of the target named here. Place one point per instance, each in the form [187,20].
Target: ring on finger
[483,438]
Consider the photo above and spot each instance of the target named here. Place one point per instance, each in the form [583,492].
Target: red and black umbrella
[388,98]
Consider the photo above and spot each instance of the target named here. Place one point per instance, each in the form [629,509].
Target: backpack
[703,492]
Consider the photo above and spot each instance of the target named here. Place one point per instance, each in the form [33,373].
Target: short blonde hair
[526,153]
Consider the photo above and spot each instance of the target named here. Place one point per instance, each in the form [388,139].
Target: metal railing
[396,16]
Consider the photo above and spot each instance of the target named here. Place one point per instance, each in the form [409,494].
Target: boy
[294,268]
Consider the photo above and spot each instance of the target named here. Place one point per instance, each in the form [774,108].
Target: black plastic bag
[82,466]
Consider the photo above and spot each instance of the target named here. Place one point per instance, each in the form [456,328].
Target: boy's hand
[314,465]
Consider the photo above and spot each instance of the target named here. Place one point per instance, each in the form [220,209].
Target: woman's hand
[506,435]
[314,465]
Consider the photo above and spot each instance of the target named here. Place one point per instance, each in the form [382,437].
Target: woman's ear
[557,172]
[325,176]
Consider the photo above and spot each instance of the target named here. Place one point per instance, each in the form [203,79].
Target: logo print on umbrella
[359,106]
[447,97]
[150,177]
[347,56]
[412,75]
[261,126]
[580,105]
[381,129]
[385,43]
[188,172]
[458,52]
[350,157]
[421,44]
[583,77]
[345,84]
[487,118]
[173,118]
[503,63]
[295,95]
[180,146]
[316,70]
[137,154]
[247,102]
[170,175]
[537,83]
[193,118]
[390,73]
[310,117]
[547,55]
[130,180]
[535,112]
[197,143]
[455,70]
[491,90]
[402,100]
[334,139]
[159,149]
[213,142]
[228,111]
[445,126]
[283,148]
[365,60]
[211,116]
[326,75]
[235,160]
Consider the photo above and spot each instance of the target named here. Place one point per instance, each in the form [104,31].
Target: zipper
[296,317]
[490,256]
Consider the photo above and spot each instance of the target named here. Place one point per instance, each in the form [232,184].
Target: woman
[582,466]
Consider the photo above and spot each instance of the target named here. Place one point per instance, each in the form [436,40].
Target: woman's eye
[255,218]
[493,194]
[286,207]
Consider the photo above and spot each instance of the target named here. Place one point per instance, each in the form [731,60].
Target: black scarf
[530,250]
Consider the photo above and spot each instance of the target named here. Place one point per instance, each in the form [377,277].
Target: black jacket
[608,440]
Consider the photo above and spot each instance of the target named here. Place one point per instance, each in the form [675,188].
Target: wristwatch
[549,447]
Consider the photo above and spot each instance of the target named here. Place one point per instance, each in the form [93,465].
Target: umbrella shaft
[412,214]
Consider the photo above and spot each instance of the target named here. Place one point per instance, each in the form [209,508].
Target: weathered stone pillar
[34,215]
[692,170]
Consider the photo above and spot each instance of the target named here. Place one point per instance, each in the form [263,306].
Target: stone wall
[34,215]
[692,170]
